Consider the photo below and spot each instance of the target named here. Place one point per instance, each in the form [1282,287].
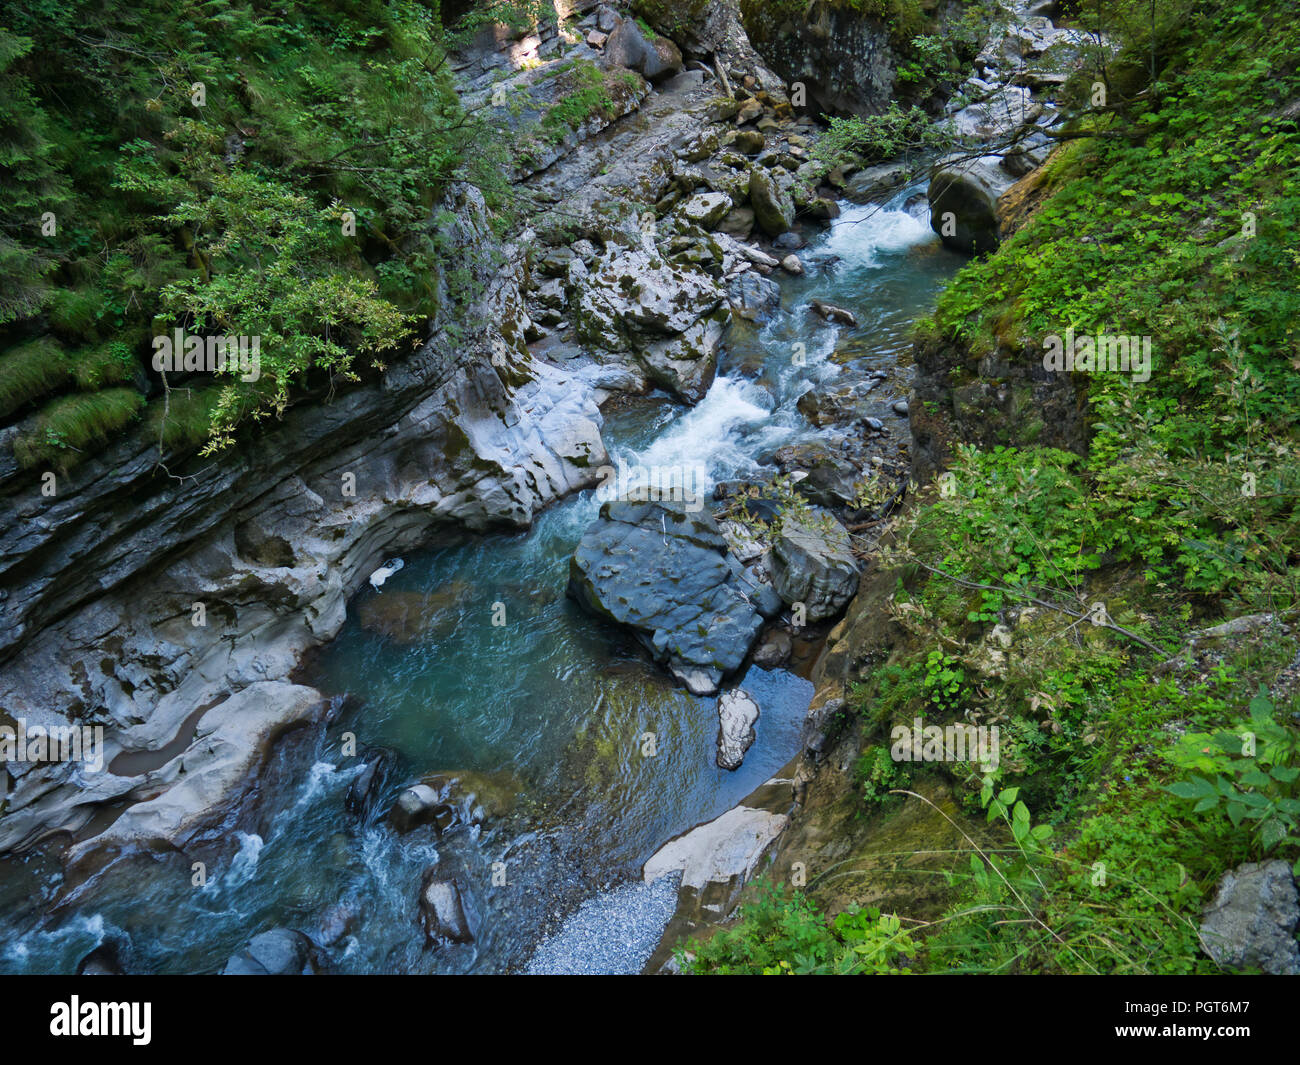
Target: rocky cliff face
[989,397]
[137,594]
[843,58]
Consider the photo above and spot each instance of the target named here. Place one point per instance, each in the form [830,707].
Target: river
[549,708]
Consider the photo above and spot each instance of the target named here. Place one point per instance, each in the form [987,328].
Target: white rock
[729,846]
[384,572]
[737,713]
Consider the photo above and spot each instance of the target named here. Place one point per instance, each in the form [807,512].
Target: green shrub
[782,933]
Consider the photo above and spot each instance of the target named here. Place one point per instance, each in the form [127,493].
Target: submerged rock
[666,573]
[442,911]
[104,960]
[364,791]
[737,713]
[448,800]
[336,922]
[279,952]
[409,617]
[1251,923]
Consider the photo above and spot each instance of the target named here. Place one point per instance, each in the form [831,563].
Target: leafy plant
[1251,778]
[782,932]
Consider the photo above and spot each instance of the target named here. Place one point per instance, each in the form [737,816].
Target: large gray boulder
[964,205]
[628,46]
[812,563]
[1251,923]
[665,572]
[753,296]
[665,316]
[772,204]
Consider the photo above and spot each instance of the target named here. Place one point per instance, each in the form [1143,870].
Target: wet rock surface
[442,910]
[279,952]
[666,573]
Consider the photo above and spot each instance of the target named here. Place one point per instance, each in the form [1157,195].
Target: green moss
[182,421]
[587,92]
[74,313]
[110,363]
[30,371]
[904,19]
[70,425]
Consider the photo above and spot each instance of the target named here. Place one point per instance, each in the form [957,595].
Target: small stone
[900,407]
[737,713]
[749,111]
[791,264]
[834,314]
[442,912]
[774,651]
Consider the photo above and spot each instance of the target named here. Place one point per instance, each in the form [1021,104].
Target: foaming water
[865,235]
[714,435]
[550,709]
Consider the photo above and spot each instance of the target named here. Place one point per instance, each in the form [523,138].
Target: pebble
[900,407]
[612,934]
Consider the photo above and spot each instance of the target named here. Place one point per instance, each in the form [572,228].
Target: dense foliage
[1058,591]
[229,167]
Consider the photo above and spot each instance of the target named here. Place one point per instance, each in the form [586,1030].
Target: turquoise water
[550,706]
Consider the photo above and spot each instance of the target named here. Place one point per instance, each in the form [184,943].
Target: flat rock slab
[725,849]
[231,742]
